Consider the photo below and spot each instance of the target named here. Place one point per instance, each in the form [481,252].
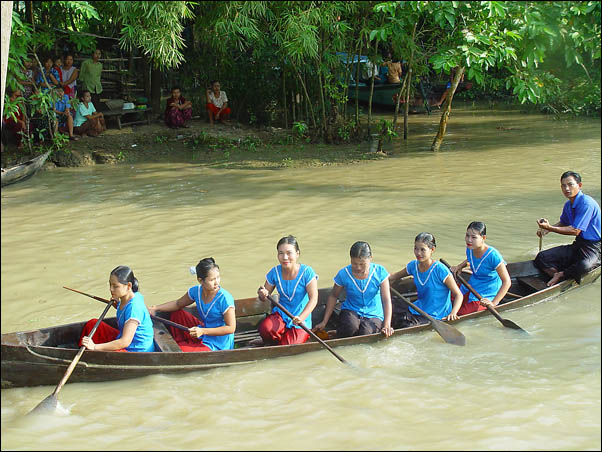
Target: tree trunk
[447,110]
[146,77]
[128,81]
[398,101]
[293,102]
[322,82]
[406,109]
[7,22]
[347,78]
[322,104]
[156,90]
[29,12]
[284,108]
[408,88]
[371,89]
[357,88]
[313,118]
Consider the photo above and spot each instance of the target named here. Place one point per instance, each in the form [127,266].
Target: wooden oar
[308,331]
[507,323]
[51,402]
[540,239]
[154,317]
[446,331]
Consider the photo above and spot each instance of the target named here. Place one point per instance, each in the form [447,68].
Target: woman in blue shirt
[135,333]
[367,307]
[297,286]
[434,284]
[214,327]
[490,277]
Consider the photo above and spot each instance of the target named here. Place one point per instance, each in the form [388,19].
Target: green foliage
[300,129]
[387,131]
[508,41]
[155,27]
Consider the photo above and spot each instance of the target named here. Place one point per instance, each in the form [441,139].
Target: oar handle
[446,331]
[154,317]
[71,367]
[474,292]
[307,330]
[416,308]
[461,278]
[506,322]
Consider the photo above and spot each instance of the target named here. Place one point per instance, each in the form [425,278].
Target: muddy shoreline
[228,145]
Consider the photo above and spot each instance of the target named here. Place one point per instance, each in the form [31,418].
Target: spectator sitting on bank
[178,110]
[62,108]
[217,103]
[89,75]
[50,73]
[87,120]
[17,124]
[70,75]
[29,74]
[58,63]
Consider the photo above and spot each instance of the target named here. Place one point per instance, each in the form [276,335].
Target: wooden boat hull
[385,95]
[23,171]
[36,357]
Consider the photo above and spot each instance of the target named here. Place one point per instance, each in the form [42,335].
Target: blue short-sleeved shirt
[584,215]
[363,295]
[293,293]
[212,315]
[143,340]
[61,105]
[81,113]
[40,78]
[434,297]
[485,278]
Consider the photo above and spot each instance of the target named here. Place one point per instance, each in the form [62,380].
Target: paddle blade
[49,404]
[449,333]
[510,324]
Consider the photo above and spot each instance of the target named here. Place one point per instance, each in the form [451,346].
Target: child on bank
[434,283]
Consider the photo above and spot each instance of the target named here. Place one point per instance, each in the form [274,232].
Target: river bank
[231,144]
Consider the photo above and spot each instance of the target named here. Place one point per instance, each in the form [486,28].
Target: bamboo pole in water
[408,88]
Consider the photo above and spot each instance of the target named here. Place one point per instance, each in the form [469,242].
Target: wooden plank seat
[118,113]
[533,282]
[163,338]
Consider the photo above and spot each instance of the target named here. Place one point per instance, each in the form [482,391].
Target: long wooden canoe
[24,170]
[40,357]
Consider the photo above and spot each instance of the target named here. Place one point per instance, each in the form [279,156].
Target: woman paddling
[367,307]
[434,284]
[489,277]
[214,327]
[135,333]
[298,289]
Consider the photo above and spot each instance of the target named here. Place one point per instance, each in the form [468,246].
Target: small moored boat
[24,170]
[40,357]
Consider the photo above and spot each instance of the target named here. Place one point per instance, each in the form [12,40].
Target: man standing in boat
[580,217]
